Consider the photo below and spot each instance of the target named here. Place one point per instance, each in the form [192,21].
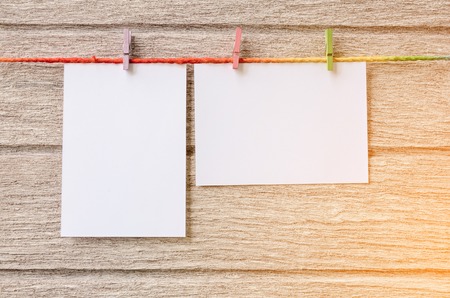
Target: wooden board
[223,12]
[68,283]
[398,221]
[406,107]
[388,238]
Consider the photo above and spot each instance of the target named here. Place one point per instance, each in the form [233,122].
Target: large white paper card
[281,124]
[124,151]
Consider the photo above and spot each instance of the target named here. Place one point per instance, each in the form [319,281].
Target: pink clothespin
[237,48]
[126,48]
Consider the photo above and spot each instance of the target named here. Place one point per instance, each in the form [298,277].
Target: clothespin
[126,48]
[237,48]
[329,48]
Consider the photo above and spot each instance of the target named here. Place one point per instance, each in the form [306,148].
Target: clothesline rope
[203,60]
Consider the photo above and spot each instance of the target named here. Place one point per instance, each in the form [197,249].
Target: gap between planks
[190,150]
[337,272]
[220,27]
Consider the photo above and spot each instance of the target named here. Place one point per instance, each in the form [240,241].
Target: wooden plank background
[388,238]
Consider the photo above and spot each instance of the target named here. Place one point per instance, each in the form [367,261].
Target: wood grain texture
[388,238]
[218,12]
[412,114]
[221,284]
[398,221]
[185,41]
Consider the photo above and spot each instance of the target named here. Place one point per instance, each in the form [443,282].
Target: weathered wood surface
[224,12]
[408,104]
[222,284]
[388,238]
[269,41]
[399,221]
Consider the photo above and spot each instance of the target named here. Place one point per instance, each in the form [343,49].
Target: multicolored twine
[203,60]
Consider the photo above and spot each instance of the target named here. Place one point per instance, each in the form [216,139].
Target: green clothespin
[329,48]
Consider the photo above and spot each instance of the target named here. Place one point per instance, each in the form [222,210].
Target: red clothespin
[237,48]
[126,48]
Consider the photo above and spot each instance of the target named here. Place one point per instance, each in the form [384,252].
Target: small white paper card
[281,124]
[124,151]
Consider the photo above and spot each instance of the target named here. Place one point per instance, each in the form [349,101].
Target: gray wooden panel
[398,221]
[224,13]
[162,41]
[222,284]
[407,104]
[388,238]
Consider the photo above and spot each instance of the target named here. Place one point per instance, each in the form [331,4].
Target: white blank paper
[124,151]
[281,124]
